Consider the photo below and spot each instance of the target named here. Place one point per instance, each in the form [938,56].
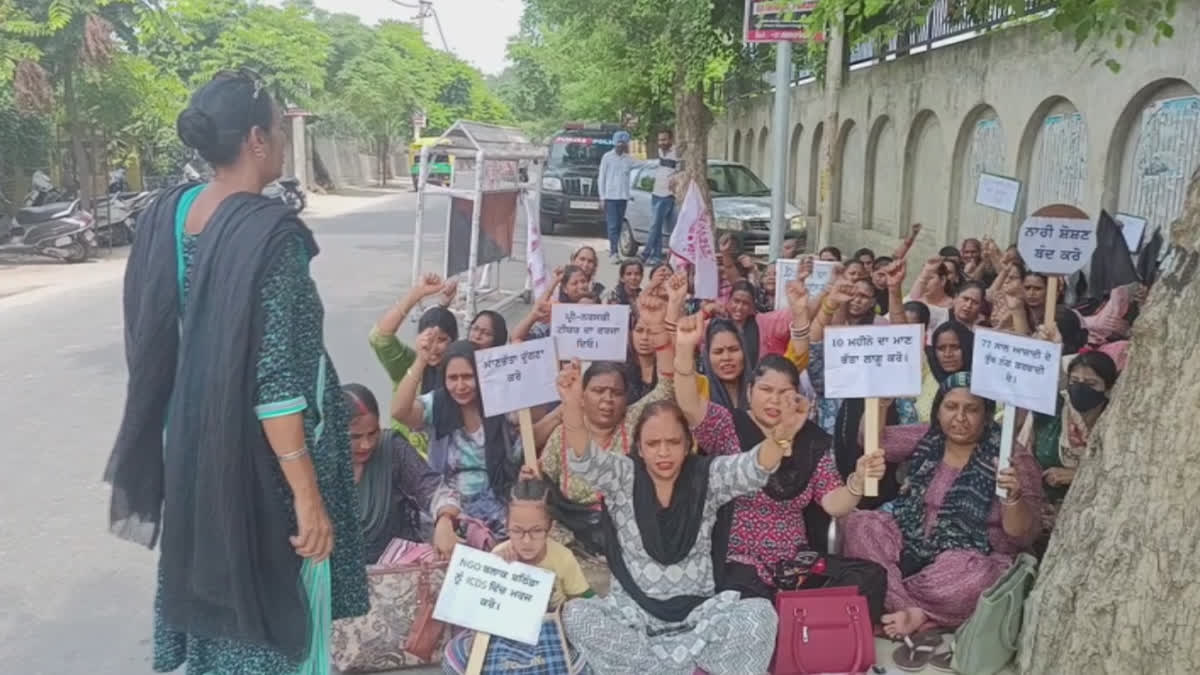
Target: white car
[741,207]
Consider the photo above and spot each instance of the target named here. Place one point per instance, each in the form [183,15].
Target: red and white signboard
[778,21]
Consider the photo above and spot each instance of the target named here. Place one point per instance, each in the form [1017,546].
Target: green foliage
[133,105]
[640,54]
[1101,25]
[21,136]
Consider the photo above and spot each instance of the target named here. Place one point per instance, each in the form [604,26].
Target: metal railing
[946,20]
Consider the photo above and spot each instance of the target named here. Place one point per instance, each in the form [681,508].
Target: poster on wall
[497,224]
[778,21]
[998,192]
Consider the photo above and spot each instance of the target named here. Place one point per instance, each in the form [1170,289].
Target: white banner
[535,259]
[590,332]
[692,243]
[1016,370]
[873,361]
[1059,246]
[486,594]
[517,375]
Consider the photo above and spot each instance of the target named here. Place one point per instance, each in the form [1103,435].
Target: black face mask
[1084,398]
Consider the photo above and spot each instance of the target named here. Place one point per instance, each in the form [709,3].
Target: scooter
[60,230]
[116,216]
[43,191]
[288,191]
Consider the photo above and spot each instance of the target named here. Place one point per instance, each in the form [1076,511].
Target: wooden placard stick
[525,419]
[871,443]
[1007,429]
[479,647]
[1051,301]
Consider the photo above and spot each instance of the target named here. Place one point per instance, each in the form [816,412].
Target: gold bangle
[292,456]
[850,481]
[685,373]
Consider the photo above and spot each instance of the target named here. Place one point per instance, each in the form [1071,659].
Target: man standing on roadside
[615,167]
[662,199]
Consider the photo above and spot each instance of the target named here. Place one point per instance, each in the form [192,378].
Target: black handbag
[816,570]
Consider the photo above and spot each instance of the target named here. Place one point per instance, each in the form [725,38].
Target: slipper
[941,661]
[931,637]
[914,655]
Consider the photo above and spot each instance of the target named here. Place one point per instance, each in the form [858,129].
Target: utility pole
[779,133]
[835,67]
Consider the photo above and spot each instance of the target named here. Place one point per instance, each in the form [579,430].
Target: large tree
[71,37]
[1117,592]
[643,51]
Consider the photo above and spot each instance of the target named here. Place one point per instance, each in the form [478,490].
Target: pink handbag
[823,630]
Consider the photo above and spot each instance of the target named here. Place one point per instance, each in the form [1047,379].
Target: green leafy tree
[284,45]
[71,37]
[133,105]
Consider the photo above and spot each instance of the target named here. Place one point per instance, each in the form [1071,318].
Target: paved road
[74,599]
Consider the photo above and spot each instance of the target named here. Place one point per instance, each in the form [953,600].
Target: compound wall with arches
[915,133]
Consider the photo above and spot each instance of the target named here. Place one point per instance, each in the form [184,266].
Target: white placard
[590,332]
[1132,228]
[1056,245]
[786,271]
[873,361]
[518,375]
[486,594]
[998,192]
[1016,370]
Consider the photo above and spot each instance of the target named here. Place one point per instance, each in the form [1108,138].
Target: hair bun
[197,130]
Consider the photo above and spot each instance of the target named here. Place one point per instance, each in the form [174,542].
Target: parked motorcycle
[59,230]
[43,191]
[116,216]
[288,191]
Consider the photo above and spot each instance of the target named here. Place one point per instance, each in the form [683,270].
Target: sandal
[917,651]
[941,661]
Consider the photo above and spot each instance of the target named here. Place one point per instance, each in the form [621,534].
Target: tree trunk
[1117,592]
[83,167]
[693,120]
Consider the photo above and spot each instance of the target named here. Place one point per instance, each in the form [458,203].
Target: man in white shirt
[615,168]
[662,199]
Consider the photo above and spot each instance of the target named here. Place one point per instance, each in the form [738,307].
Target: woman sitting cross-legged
[663,615]
[477,457]
[950,536]
[394,483]
[768,526]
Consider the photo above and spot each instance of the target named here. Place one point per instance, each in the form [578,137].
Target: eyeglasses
[533,534]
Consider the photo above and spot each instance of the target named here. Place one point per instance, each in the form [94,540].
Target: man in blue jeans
[613,187]
[662,199]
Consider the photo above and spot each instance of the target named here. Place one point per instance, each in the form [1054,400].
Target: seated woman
[476,457]
[949,537]
[969,305]
[1060,442]
[950,351]
[767,526]
[764,333]
[610,420]
[585,259]
[529,524]
[397,357]
[724,360]
[662,615]
[394,482]
[833,312]
[629,284]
